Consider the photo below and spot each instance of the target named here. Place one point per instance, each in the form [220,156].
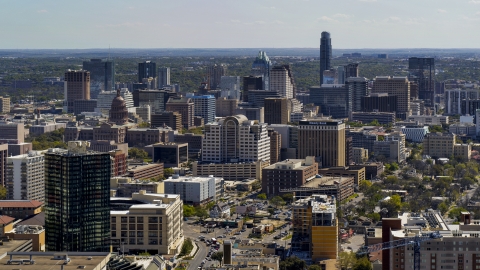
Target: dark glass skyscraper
[422,71]
[325,54]
[77,210]
[102,76]
[147,69]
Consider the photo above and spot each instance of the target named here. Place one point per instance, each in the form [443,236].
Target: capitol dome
[118,110]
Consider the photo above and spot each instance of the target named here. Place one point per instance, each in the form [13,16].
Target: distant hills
[232,52]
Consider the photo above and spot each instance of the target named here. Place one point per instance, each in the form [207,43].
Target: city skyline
[245,24]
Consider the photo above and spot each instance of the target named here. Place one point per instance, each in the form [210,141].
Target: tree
[288,197]
[144,125]
[167,172]
[346,260]
[201,212]
[186,247]
[217,256]
[455,212]
[293,263]
[137,153]
[3,193]
[363,264]
[277,201]
[188,210]
[314,267]
[262,196]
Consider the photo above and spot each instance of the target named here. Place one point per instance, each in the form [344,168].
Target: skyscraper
[163,76]
[281,80]
[77,86]
[351,70]
[422,71]
[214,74]
[395,86]
[77,199]
[261,67]
[102,76]
[359,88]
[147,70]
[205,107]
[334,99]
[276,111]
[251,83]
[325,53]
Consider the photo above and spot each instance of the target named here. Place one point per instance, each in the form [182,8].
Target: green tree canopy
[262,196]
[137,153]
[217,256]
[293,263]
[277,201]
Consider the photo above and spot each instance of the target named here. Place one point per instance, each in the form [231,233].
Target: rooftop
[20,203]
[46,261]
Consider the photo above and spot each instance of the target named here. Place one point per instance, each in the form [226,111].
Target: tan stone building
[4,104]
[154,227]
[359,155]
[442,145]
[170,119]
[324,139]
[185,107]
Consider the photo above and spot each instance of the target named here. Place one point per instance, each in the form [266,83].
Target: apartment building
[26,177]
[438,145]
[154,226]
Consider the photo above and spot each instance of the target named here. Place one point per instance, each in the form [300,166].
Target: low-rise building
[46,127]
[195,190]
[148,171]
[383,118]
[170,154]
[340,187]
[416,133]
[429,119]
[359,154]
[468,129]
[372,169]
[230,171]
[358,174]
[289,173]
[155,226]
[126,186]
[20,209]
[442,145]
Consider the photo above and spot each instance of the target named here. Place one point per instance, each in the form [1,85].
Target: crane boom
[415,241]
[399,243]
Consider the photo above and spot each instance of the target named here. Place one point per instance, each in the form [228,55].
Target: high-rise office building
[205,107]
[422,71]
[281,81]
[334,99]
[358,86]
[170,119]
[351,70]
[185,107]
[231,85]
[25,177]
[102,76]
[276,111]
[163,78]
[275,146]
[251,83]
[4,104]
[225,107]
[3,161]
[77,199]
[323,139]
[395,86]
[380,102]
[156,99]
[77,86]
[147,70]
[341,75]
[325,53]
[261,67]
[214,75]
[235,139]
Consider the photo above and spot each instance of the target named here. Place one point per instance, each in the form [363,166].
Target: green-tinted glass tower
[77,212]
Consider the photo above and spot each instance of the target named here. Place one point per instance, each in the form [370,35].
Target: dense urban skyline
[241,24]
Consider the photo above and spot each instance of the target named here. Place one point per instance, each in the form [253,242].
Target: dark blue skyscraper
[325,54]
[102,76]
[147,69]
[261,67]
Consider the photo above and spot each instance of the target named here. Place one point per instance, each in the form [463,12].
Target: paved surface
[354,243]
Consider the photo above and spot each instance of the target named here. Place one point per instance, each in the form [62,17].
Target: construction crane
[414,241]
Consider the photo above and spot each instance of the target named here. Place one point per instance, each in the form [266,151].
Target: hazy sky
[31,24]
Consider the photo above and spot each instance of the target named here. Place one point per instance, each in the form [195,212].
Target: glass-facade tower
[77,208]
[325,54]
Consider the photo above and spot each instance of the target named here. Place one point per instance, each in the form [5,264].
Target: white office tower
[163,77]
[230,86]
[26,177]
[236,139]
[105,98]
[281,81]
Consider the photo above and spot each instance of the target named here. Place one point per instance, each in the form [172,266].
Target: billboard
[247,210]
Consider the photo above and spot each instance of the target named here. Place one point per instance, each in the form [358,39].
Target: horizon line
[233,48]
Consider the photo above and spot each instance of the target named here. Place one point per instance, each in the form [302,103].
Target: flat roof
[45,261]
